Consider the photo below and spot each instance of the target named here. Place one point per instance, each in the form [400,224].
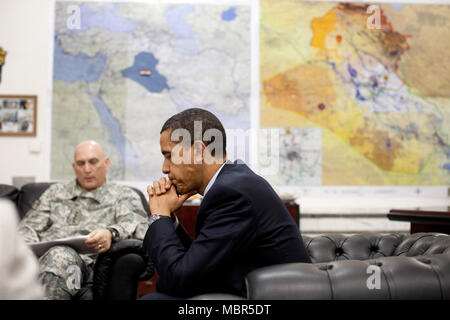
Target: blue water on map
[175,20]
[107,19]
[185,41]
[118,140]
[70,68]
[145,60]
[229,15]
[397,6]
[352,71]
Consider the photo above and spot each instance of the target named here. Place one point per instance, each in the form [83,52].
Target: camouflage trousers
[62,271]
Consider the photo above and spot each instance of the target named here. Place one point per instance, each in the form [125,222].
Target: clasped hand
[163,197]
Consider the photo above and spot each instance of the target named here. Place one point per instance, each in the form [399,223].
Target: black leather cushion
[289,281]
[125,273]
[104,265]
[28,194]
[9,192]
[412,278]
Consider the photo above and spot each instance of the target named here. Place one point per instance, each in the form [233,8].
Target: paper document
[76,243]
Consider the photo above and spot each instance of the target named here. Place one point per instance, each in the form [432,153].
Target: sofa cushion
[299,281]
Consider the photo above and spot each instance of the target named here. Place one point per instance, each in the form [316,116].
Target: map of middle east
[121,69]
[379,93]
[359,94]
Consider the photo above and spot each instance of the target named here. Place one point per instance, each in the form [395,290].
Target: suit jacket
[241,225]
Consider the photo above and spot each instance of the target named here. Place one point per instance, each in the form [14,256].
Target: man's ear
[199,148]
[107,163]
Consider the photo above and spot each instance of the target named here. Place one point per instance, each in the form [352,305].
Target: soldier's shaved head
[89,145]
[90,165]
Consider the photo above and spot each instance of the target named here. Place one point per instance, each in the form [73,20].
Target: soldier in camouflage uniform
[89,205]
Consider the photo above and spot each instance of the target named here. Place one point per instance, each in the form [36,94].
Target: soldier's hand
[99,240]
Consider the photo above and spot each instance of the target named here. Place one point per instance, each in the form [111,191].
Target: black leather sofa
[360,267]
[364,266]
[116,272]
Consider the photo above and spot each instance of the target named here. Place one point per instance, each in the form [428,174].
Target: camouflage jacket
[65,210]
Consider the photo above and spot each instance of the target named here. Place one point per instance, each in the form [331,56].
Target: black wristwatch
[114,234]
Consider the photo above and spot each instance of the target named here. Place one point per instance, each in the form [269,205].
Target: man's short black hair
[186,120]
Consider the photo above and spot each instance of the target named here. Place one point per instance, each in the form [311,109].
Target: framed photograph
[18,115]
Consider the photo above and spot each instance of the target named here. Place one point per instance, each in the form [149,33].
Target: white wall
[25,36]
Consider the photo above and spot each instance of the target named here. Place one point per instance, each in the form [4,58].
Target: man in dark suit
[241,224]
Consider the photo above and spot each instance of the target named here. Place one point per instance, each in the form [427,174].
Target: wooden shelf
[423,221]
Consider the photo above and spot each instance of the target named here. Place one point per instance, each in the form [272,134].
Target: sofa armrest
[103,269]
[9,192]
[292,281]
[423,277]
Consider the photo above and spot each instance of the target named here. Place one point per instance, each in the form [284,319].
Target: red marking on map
[145,72]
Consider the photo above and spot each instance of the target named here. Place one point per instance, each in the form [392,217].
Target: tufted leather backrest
[418,244]
[374,245]
[28,194]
